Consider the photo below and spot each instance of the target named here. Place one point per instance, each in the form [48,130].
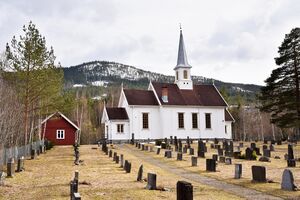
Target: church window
[185,74]
[207,120]
[145,120]
[180,120]
[195,120]
[176,75]
[120,128]
[225,128]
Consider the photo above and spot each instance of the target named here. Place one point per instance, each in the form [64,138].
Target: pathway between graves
[234,189]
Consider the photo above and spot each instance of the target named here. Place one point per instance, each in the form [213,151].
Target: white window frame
[60,134]
[121,128]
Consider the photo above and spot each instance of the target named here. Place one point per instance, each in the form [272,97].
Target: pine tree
[36,78]
[281,96]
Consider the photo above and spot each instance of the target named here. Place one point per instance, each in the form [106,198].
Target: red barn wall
[57,124]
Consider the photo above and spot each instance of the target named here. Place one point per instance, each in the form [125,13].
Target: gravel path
[234,189]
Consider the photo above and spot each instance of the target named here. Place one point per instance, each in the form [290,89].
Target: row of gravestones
[74,194]
[11,167]
[258,172]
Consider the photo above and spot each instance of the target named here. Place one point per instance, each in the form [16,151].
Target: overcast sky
[229,40]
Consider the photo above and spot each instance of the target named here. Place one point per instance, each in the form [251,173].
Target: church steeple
[182,57]
[183,68]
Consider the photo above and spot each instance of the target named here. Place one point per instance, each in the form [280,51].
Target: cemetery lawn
[48,177]
[274,169]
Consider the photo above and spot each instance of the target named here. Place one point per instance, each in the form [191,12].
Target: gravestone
[115,155]
[184,190]
[136,144]
[215,157]
[201,154]
[117,159]
[258,173]
[163,145]
[228,161]
[2,178]
[176,143]
[290,152]
[216,141]
[229,153]
[191,151]
[210,165]
[222,159]
[140,174]
[249,154]
[110,153]
[168,154]
[20,166]
[151,181]
[257,150]
[11,167]
[253,145]
[132,139]
[272,147]
[236,154]
[143,147]
[287,182]
[264,147]
[231,146]
[121,160]
[127,166]
[179,145]
[238,171]
[179,156]
[291,163]
[171,139]
[33,154]
[220,152]
[158,151]
[139,145]
[267,153]
[241,145]
[188,142]
[184,149]
[194,161]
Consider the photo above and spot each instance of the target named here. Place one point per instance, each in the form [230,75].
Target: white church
[170,109]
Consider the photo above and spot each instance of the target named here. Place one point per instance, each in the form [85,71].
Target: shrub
[49,145]
[254,156]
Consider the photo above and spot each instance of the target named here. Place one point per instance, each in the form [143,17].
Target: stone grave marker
[291,163]
[249,154]
[228,161]
[140,174]
[158,151]
[110,153]
[220,152]
[215,157]
[257,150]
[272,147]
[258,173]
[238,171]
[115,155]
[33,154]
[201,154]
[188,142]
[184,190]
[11,167]
[267,153]
[264,147]
[221,159]
[287,182]
[151,181]
[191,151]
[117,159]
[20,166]
[290,152]
[236,154]
[127,166]
[184,150]
[122,160]
[179,156]
[168,154]
[253,145]
[171,139]
[210,165]
[194,161]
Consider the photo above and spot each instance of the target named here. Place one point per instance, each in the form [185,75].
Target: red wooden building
[60,130]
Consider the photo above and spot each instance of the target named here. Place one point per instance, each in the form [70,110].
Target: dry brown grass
[225,173]
[48,177]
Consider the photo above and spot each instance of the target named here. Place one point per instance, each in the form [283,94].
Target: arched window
[185,74]
[176,75]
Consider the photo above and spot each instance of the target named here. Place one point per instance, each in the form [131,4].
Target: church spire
[182,61]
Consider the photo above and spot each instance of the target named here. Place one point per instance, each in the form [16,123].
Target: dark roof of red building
[201,95]
[140,97]
[117,113]
[228,116]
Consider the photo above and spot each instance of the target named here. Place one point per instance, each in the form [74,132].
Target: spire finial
[180,27]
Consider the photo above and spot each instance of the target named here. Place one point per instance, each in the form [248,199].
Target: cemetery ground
[49,175]
[225,173]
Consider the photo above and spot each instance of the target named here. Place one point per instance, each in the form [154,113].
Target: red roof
[140,97]
[201,95]
[228,116]
[117,113]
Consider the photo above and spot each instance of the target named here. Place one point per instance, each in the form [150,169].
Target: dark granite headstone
[140,174]
[158,151]
[257,150]
[249,154]
[20,166]
[168,154]
[184,190]
[122,160]
[291,163]
[267,153]
[127,166]
[194,161]
[253,145]
[188,142]
[191,151]
[117,159]
[238,171]
[179,156]
[215,157]
[33,154]
[222,159]
[201,154]
[220,152]
[184,150]
[210,165]
[287,182]
[259,173]
[115,155]
[272,147]
[110,153]
[11,167]
[265,147]
[290,152]
[151,181]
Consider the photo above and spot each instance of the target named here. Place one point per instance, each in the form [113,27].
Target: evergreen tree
[280,96]
[36,78]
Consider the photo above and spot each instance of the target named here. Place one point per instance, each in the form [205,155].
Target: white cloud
[229,40]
